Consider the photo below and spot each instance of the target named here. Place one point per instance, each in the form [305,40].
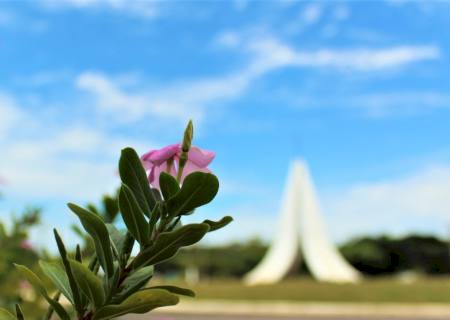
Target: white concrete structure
[301,234]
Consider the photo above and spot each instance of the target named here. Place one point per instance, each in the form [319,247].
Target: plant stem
[50,309]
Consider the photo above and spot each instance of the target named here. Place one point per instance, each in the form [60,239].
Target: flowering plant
[113,282]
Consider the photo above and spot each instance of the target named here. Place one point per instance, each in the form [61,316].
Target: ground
[427,290]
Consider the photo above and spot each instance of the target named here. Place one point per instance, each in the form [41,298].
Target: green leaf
[117,236]
[198,189]
[139,302]
[133,216]
[6,315]
[89,283]
[58,276]
[39,287]
[134,282]
[215,225]
[19,313]
[168,243]
[78,255]
[132,173]
[97,230]
[174,289]
[168,185]
[75,293]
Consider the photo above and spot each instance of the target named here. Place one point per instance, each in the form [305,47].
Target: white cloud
[394,103]
[228,39]
[377,104]
[42,161]
[311,13]
[341,13]
[308,16]
[180,101]
[10,114]
[191,98]
[393,205]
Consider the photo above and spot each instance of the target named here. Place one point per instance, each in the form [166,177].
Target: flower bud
[188,135]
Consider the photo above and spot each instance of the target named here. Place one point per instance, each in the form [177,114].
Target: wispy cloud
[390,205]
[376,104]
[42,161]
[191,98]
[10,114]
[179,101]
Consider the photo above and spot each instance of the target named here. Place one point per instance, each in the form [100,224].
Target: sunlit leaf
[89,283]
[6,315]
[133,216]
[198,189]
[168,185]
[75,293]
[39,287]
[168,244]
[58,276]
[134,282]
[132,173]
[97,230]
[139,302]
[215,225]
[174,289]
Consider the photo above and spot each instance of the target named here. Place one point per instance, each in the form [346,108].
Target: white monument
[301,235]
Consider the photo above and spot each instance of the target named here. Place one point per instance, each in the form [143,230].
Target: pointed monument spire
[301,234]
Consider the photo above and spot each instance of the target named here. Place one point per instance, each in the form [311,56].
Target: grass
[427,290]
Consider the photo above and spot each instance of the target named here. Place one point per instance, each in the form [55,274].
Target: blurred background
[357,89]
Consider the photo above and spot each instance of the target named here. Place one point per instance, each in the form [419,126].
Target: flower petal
[156,171]
[201,158]
[162,155]
[191,167]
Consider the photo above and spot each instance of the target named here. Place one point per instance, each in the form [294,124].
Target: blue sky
[358,89]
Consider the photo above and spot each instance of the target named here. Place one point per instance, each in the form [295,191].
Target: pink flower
[167,160]
[26,245]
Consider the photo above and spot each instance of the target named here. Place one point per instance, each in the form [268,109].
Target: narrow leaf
[19,313]
[6,315]
[216,225]
[174,289]
[133,216]
[168,243]
[117,236]
[198,189]
[58,276]
[97,230]
[89,283]
[75,293]
[134,282]
[78,255]
[132,173]
[140,302]
[39,287]
[168,185]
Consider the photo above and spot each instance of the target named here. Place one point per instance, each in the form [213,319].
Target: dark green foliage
[96,228]
[198,189]
[14,247]
[151,220]
[133,216]
[169,242]
[216,225]
[169,185]
[383,255]
[133,175]
[229,261]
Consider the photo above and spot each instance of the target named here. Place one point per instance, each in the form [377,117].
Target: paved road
[160,316]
